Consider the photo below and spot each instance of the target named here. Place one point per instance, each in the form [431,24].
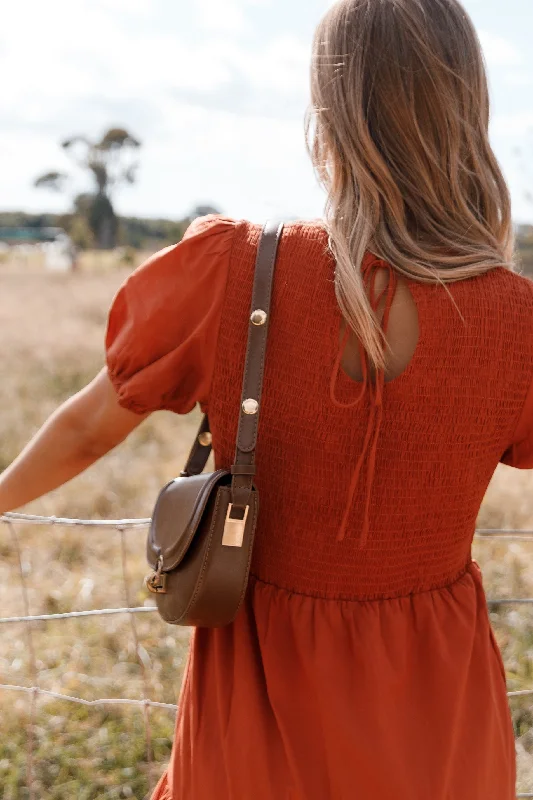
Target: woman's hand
[80,432]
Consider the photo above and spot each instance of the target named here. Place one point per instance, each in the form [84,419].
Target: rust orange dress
[362,663]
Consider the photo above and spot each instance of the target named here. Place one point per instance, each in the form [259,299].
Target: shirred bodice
[447,420]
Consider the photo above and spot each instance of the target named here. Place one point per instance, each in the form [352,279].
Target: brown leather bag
[202,531]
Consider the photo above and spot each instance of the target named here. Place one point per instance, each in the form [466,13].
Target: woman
[399,373]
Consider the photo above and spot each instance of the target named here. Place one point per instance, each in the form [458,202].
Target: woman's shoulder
[510,290]
[217,230]
[204,244]
[292,228]
[210,225]
[302,240]
[500,300]
[210,243]
[520,282]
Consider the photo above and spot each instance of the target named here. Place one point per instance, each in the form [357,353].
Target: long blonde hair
[398,134]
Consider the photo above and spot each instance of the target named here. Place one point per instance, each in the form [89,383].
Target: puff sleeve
[520,453]
[163,324]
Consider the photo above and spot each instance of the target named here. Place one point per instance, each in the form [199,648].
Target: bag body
[201,536]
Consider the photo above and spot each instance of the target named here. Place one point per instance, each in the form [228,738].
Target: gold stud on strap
[258,317]
[250,407]
[205,439]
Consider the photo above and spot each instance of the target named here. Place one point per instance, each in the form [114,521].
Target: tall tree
[111,163]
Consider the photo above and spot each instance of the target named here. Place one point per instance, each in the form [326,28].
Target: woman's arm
[80,432]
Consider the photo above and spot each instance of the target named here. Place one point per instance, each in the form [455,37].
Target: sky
[216,90]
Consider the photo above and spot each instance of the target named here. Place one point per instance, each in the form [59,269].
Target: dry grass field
[52,328]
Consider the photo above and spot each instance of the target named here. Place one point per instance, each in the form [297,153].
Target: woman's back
[448,418]
[364,629]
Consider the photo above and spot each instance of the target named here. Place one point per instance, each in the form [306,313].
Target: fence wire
[144,703]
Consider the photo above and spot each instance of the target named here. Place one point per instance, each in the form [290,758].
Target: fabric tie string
[371,265]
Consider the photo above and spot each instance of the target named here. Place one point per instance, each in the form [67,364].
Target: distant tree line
[154,234]
[142,234]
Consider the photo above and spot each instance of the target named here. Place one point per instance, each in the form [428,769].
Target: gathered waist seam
[467,570]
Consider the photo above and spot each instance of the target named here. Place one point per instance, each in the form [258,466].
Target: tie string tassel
[376,395]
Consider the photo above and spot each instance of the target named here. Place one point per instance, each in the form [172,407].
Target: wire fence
[144,704]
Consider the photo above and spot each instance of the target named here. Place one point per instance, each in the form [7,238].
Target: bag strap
[243,470]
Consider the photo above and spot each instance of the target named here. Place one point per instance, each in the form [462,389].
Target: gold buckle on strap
[234,528]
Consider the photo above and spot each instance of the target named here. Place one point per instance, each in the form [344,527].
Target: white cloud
[227,16]
[106,60]
[141,8]
[499,51]
[112,64]
[518,78]
[224,17]
[512,126]
[282,65]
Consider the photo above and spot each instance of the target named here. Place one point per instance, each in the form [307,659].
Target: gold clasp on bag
[156,582]
[234,528]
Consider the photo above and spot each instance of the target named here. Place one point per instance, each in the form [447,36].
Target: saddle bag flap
[177,514]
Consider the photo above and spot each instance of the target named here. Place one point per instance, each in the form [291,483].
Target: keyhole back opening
[403,334]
